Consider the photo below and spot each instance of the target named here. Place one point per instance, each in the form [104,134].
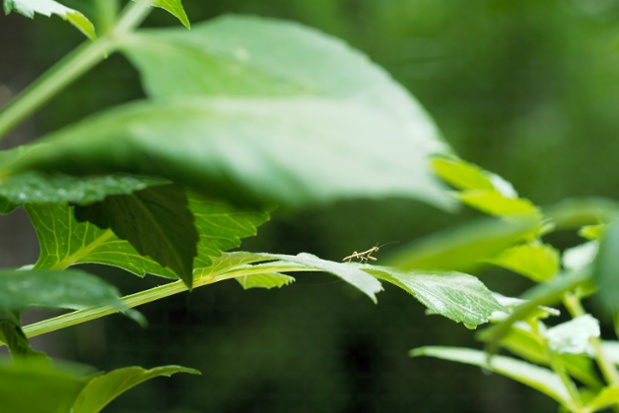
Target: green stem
[142,297]
[69,69]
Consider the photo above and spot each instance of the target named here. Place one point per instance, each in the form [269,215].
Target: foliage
[231,128]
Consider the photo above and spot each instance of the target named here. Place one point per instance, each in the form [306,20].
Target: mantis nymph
[365,256]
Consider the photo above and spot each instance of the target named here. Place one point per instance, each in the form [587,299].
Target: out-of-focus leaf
[606,270]
[579,257]
[592,232]
[251,152]
[495,203]
[538,378]
[70,289]
[542,294]
[13,336]
[65,242]
[511,303]
[459,297]
[309,121]
[29,387]
[156,221]
[605,398]
[539,262]
[101,390]
[464,175]
[572,337]
[238,54]
[465,247]
[28,8]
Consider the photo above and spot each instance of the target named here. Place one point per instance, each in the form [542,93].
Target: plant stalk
[70,68]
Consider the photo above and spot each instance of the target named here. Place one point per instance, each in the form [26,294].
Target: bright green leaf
[572,337]
[175,7]
[264,280]
[538,378]
[463,175]
[495,203]
[605,398]
[581,256]
[592,232]
[459,297]
[28,8]
[465,247]
[29,387]
[606,270]
[101,390]
[156,221]
[254,151]
[539,262]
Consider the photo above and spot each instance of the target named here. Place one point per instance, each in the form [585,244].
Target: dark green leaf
[101,390]
[538,378]
[65,242]
[465,247]
[29,387]
[459,297]
[264,280]
[28,8]
[13,336]
[606,270]
[156,221]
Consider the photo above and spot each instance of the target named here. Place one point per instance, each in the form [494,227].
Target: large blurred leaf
[539,262]
[156,221]
[573,337]
[101,390]
[307,121]
[606,270]
[48,7]
[463,248]
[35,387]
[64,241]
[259,57]
[459,297]
[539,378]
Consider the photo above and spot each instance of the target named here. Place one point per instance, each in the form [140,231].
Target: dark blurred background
[527,89]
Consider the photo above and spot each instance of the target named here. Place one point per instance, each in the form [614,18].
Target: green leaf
[538,378]
[36,188]
[101,390]
[238,54]
[366,283]
[71,289]
[463,175]
[65,242]
[606,270]
[28,387]
[156,221]
[256,152]
[573,337]
[13,336]
[264,280]
[28,8]
[592,232]
[605,398]
[459,297]
[465,247]
[539,262]
[495,203]
[277,130]
[175,7]
[580,257]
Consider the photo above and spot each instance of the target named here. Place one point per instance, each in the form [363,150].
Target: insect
[365,256]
